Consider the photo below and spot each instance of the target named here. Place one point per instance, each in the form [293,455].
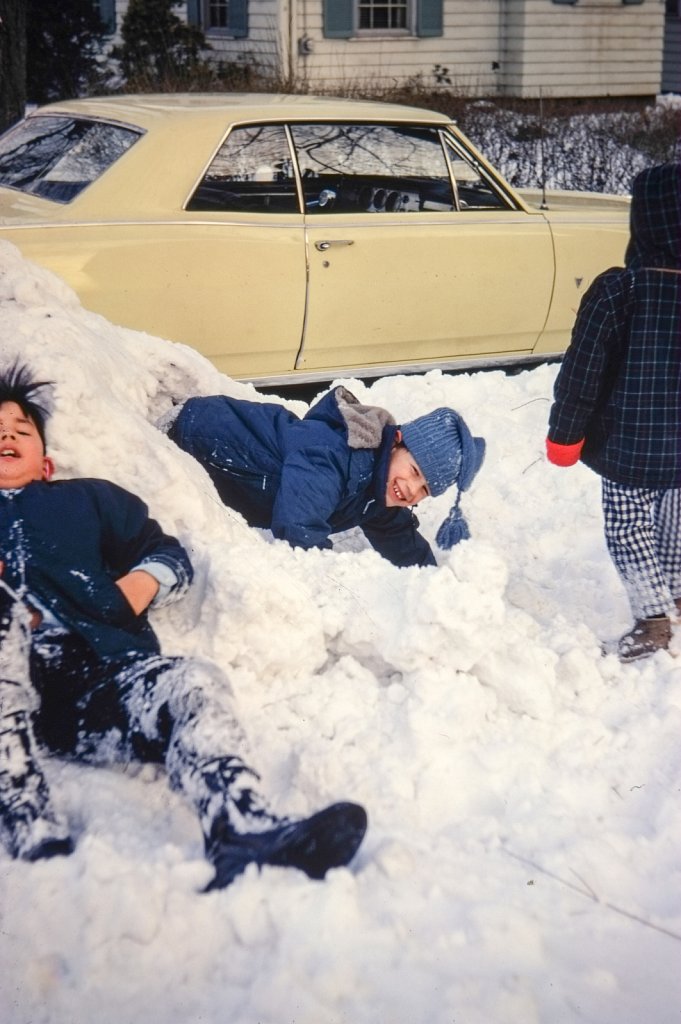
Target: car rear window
[57,157]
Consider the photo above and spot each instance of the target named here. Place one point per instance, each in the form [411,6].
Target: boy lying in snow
[343,465]
[81,673]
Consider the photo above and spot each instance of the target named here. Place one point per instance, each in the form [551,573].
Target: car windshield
[57,157]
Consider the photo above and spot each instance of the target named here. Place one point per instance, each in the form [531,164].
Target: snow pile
[592,151]
[522,861]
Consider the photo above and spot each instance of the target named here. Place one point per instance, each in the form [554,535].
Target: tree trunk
[12,61]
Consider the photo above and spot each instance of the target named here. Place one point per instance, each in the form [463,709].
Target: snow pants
[173,711]
[643,536]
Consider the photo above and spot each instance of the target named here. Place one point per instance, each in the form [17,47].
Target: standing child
[343,465]
[618,408]
[82,675]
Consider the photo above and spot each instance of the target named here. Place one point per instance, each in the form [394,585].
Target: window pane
[474,191]
[383,14]
[218,13]
[372,168]
[56,157]
[252,171]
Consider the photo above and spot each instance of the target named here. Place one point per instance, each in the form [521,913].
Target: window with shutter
[346,18]
[224,17]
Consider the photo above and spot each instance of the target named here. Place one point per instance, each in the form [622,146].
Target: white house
[523,48]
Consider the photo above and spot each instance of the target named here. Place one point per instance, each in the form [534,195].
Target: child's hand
[139,589]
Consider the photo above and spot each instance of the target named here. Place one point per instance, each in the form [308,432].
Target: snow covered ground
[522,862]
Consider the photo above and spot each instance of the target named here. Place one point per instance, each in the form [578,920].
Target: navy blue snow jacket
[304,479]
[67,542]
[619,386]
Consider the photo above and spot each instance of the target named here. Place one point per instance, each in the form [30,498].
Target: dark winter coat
[619,386]
[68,541]
[304,479]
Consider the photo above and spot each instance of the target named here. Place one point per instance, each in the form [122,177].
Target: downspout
[291,43]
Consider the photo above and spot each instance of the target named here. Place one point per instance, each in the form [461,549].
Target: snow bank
[522,861]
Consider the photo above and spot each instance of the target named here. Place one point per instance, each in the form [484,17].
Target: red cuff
[563,454]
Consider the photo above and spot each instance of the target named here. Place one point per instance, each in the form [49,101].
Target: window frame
[409,29]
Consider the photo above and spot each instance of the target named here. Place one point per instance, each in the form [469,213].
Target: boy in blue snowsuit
[82,675]
[342,465]
[617,408]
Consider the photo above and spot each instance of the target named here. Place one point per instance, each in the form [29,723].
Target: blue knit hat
[447,454]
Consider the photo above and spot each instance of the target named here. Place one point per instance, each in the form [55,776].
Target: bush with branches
[63,43]
[160,51]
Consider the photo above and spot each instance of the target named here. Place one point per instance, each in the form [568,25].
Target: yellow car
[299,238]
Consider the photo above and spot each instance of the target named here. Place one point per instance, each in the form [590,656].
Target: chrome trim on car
[525,359]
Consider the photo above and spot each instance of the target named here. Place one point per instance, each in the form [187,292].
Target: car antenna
[544,205]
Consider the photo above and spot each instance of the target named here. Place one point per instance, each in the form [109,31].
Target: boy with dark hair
[82,675]
[618,408]
[342,465]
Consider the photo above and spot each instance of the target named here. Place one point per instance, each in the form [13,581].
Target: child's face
[406,483]
[22,456]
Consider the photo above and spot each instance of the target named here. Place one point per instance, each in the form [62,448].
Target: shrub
[160,51]
[63,41]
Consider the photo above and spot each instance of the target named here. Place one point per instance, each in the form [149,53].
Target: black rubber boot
[328,839]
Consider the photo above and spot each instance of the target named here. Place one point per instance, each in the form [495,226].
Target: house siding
[265,46]
[589,49]
[468,49]
[522,48]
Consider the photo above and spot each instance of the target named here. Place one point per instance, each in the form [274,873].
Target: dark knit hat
[447,454]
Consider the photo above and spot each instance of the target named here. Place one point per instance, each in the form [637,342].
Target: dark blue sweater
[67,542]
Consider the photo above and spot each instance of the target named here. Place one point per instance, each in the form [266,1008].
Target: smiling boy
[82,674]
[342,465]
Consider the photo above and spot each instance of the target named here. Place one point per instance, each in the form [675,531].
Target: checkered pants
[643,535]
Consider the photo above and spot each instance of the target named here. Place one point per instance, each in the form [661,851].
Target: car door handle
[323,246]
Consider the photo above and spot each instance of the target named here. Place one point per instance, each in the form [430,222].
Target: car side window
[57,157]
[373,168]
[251,172]
[474,189]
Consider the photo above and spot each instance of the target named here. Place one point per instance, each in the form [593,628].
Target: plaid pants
[643,536]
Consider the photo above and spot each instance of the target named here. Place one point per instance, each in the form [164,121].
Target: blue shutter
[429,18]
[338,19]
[107,14]
[237,15]
[194,12]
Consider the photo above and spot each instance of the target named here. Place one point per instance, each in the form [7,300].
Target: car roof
[145,111]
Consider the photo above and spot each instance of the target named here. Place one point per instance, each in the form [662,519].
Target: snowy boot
[645,638]
[241,829]
[29,828]
[328,839]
